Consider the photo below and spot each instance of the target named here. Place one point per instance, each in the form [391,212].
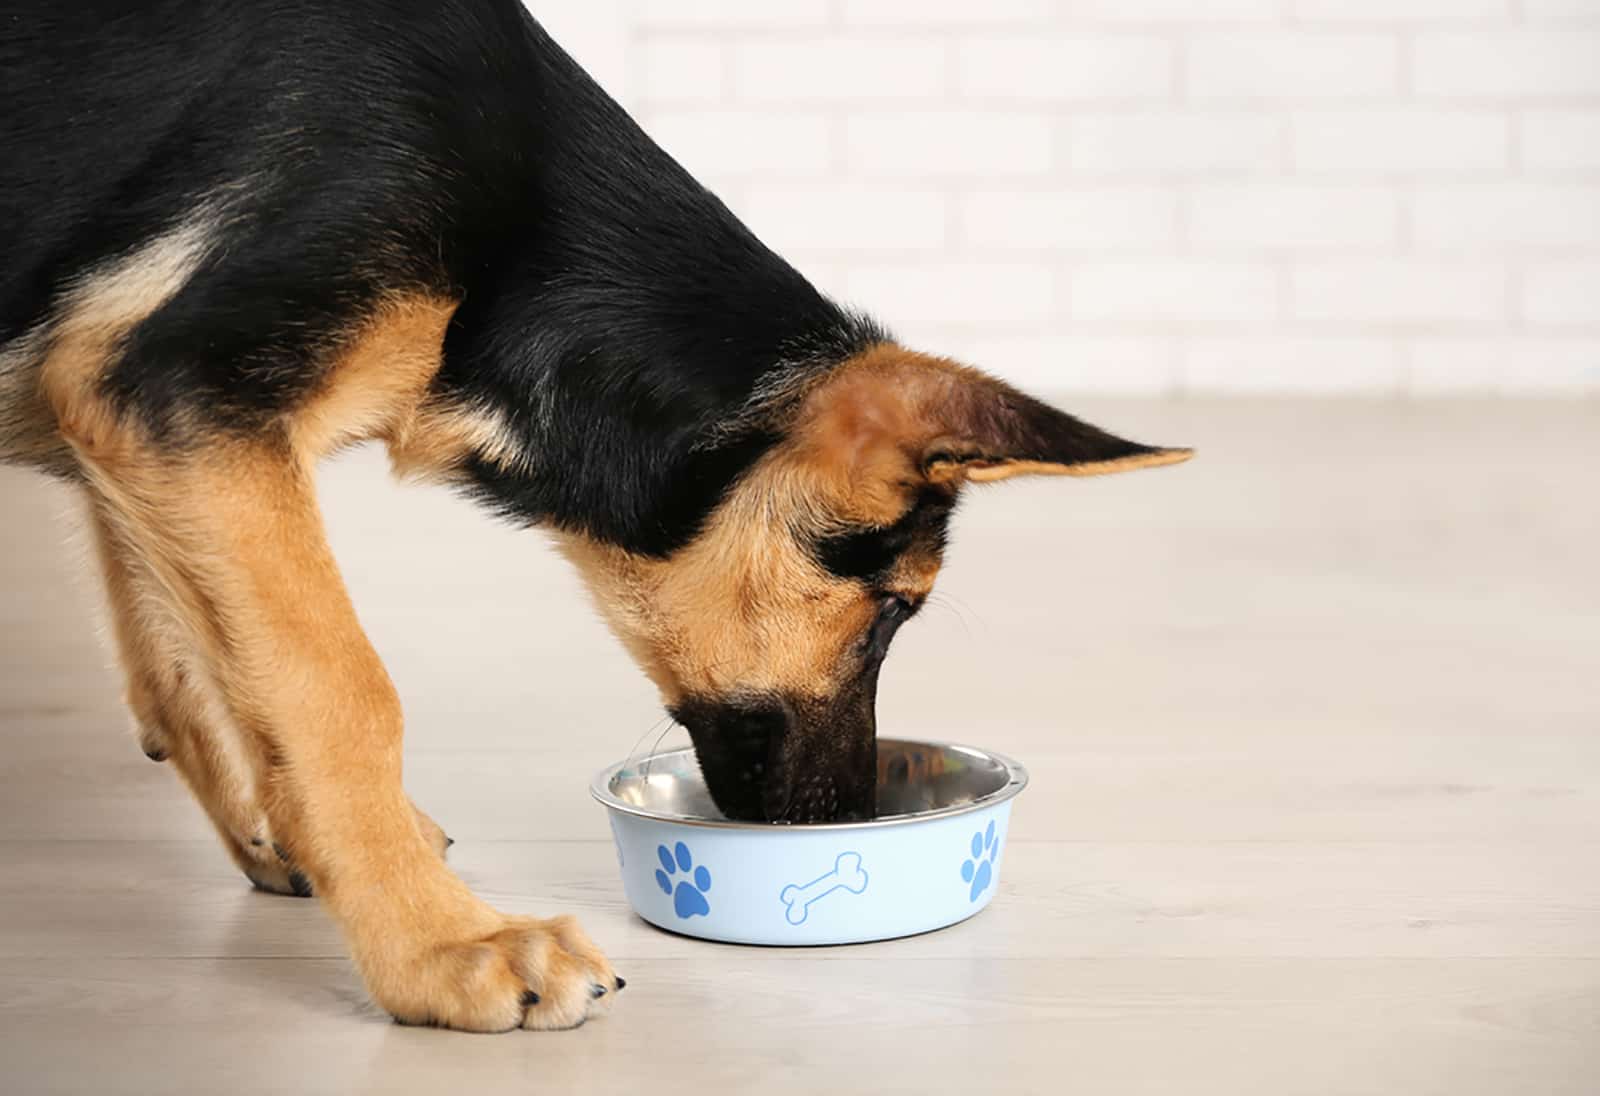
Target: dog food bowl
[931,857]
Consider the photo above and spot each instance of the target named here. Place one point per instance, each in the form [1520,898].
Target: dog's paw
[269,869]
[538,975]
[148,731]
[153,741]
[436,838]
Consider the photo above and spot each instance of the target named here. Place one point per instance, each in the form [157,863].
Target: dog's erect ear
[993,432]
[893,413]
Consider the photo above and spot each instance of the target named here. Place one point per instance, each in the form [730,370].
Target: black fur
[867,555]
[773,758]
[614,312]
[777,758]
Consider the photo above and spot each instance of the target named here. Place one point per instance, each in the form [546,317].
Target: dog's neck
[610,344]
[623,406]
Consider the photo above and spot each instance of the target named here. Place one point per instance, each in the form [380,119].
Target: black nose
[821,801]
[734,744]
[775,760]
[835,785]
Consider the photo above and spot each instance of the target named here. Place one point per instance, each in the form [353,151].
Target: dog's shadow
[288,951]
[286,954]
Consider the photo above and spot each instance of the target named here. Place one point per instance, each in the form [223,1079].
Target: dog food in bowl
[929,859]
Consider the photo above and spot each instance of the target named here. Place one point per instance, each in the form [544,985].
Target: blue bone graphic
[846,875]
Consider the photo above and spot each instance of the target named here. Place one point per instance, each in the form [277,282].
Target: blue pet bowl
[929,859]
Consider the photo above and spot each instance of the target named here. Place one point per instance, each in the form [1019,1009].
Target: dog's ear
[989,431]
[894,417]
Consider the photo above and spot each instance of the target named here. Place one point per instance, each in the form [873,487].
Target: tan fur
[100,310]
[993,473]
[218,549]
[235,540]
[857,437]
[27,428]
[174,716]
[742,608]
[376,383]
[435,438]
[869,428]
[745,607]
[179,716]
[379,390]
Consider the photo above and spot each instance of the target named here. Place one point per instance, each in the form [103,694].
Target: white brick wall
[860,218]
[1399,291]
[839,69]
[1561,140]
[1131,217]
[1402,11]
[1292,216]
[731,142]
[978,144]
[1400,140]
[1181,293]
[1159,195]
[1522,64]
[1561,294]
[1062,68]
[1270,66]
[897,14]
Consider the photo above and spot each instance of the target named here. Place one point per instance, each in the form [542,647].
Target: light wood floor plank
[1057,900]
[873,1024]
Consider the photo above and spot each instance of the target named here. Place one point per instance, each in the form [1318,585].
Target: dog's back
[309,145]
[97,102]
[212,199]
[225,191]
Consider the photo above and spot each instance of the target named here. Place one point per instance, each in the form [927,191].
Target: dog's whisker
[652,729]
[656,747]
[962,611]
[937,602]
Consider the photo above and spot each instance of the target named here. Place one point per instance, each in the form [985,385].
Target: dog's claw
[622,983]
[529,998]
[597,990]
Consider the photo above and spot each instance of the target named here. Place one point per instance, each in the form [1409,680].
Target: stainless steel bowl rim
[1016,780]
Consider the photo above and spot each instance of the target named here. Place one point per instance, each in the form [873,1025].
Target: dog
[241,235]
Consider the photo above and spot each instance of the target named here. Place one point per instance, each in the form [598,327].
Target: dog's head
[766,632]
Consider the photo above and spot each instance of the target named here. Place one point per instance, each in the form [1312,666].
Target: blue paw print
[689,898]
[980,869]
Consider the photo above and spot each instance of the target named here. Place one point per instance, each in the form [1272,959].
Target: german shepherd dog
[238,235]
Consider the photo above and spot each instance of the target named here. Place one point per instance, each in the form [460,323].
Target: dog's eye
[897,608]
[893,611]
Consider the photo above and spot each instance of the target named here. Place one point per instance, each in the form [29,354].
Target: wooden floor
[1314,729]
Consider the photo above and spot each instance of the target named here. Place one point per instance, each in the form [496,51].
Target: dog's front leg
[180,719]
[232,532]
[174,712]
